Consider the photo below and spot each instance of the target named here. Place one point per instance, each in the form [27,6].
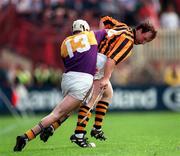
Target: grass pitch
[129,134]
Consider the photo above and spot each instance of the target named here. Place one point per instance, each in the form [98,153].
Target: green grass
[129,134]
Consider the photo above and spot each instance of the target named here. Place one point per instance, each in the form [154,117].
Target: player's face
[142,38]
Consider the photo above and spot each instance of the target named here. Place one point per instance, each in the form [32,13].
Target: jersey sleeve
[110,22]
[121,50]
[63,49]
[100,34]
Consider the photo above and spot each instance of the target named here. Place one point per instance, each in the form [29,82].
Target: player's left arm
[108,69]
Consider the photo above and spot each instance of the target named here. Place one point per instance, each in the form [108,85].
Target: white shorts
[101,60]
[76,84]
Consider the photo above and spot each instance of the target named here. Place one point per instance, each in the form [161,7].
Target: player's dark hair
[147,27]
[76,32]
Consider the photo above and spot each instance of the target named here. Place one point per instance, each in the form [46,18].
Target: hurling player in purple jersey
[79,54]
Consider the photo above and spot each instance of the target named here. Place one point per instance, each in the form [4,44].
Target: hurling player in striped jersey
[117,46]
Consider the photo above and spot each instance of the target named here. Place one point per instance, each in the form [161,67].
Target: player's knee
[108,94]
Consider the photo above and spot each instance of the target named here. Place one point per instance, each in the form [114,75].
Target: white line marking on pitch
[8,129]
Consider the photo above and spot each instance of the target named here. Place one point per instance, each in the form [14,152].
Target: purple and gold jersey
[79,52]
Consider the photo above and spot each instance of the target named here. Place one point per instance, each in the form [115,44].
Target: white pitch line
[8,129]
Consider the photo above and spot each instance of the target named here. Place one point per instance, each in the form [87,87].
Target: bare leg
[108,94]
[67,105]
[96,91]
[91,102]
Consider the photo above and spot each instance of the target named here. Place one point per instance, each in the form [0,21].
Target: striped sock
[58,123]
[101,109]
[80,128]
[30,134]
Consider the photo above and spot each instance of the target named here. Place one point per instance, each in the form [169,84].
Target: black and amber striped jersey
[119,40]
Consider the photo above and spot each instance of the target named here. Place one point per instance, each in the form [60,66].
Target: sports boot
[98,134]
[20,143]
[82,142]
[46,133]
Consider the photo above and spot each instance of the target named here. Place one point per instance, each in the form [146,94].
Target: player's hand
[104,83]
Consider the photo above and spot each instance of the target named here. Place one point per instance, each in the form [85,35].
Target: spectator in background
[41,75]
[24,6]
[4,3]
[148,11]
[91,4]
[47,17]
[172,75]
[127,11]
[55,77]
[58,20]
[37,8]
[109,7]
[169,18]
[21,93]
[76,5]
[23,76]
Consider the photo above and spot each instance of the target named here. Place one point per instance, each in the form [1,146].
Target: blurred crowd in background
[60,13]
[57,15]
